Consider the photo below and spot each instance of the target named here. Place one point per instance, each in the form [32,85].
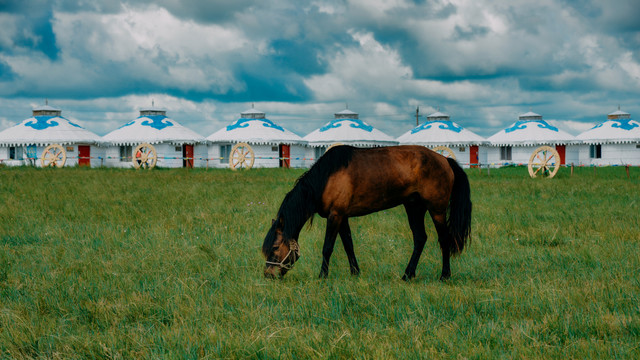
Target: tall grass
[106,263]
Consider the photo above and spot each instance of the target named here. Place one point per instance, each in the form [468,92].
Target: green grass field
[119,264]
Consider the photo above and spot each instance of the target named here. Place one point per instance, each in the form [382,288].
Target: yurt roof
[347,128]
[530,129]
[48,129]
[46,107]
[252,114]
[530,116]
[437,115]
[619,128]
[346,113]
[254,128]
[153,127]
[618,113]
[440,132]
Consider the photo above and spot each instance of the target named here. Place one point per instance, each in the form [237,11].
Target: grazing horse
[348,181]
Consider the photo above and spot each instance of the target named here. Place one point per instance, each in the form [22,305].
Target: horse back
[381,178]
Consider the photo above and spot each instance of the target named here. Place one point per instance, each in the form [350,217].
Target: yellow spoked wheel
[145,156]
[444,151]
[545,161]
[242,156]
[53,155]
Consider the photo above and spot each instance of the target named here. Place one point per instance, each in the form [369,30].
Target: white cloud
[152,46]
[483,61]
[9,28]
[369,68]
[571,126]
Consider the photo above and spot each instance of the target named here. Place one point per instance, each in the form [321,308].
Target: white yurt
[448,138]
[615,141]
[48,139]
[172,145]
[348,129]
[516,144]
[255,141]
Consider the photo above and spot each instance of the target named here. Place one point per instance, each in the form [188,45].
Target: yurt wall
[610,154]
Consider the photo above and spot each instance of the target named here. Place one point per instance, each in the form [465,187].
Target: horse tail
[459,220]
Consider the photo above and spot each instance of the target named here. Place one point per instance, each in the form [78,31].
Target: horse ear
[273,221]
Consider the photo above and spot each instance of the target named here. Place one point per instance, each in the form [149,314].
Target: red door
[285,156]
[561,149]
[84,155]
[473,156]
[187,154]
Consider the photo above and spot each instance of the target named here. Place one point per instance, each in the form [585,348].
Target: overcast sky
[482,62]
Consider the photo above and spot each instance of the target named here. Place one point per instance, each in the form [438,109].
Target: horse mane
[301,203]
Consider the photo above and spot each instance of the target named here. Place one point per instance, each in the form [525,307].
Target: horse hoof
[444,278]
[406,277]
[323,275]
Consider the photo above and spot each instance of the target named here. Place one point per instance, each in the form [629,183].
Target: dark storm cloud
[204,11]
[619,19]
[469,34]
[6,73]
[33,19]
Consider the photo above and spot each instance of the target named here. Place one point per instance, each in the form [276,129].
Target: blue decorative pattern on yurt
[72,124]
[128,124]
[444,125]
[620,124]
[154,121]
[522,124]
[355,123]
[243,123]
[42,122]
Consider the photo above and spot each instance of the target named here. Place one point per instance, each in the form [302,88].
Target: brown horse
[348,181]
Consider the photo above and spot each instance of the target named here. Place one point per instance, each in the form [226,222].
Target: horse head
[281,252]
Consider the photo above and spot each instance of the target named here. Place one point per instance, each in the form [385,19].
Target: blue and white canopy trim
[619,128]
[254,128]
[529,130]
[47,127]
[346,128]
[438,130]
[153,127]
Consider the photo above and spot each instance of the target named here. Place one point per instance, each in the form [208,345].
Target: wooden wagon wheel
[445,151]
[53,155]
[242,156]
[145,156]
[544,161]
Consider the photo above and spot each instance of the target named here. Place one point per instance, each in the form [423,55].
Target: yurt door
[187,154]
[84,155]
[561,149]
[473,156]
[284,154]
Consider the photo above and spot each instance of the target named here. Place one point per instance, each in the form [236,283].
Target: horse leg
[416,213]
[443,238]
[333,225]
[347,242]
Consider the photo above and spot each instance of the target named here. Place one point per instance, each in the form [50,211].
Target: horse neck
[297,207]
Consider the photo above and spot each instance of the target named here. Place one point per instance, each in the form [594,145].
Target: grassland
[116,264]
